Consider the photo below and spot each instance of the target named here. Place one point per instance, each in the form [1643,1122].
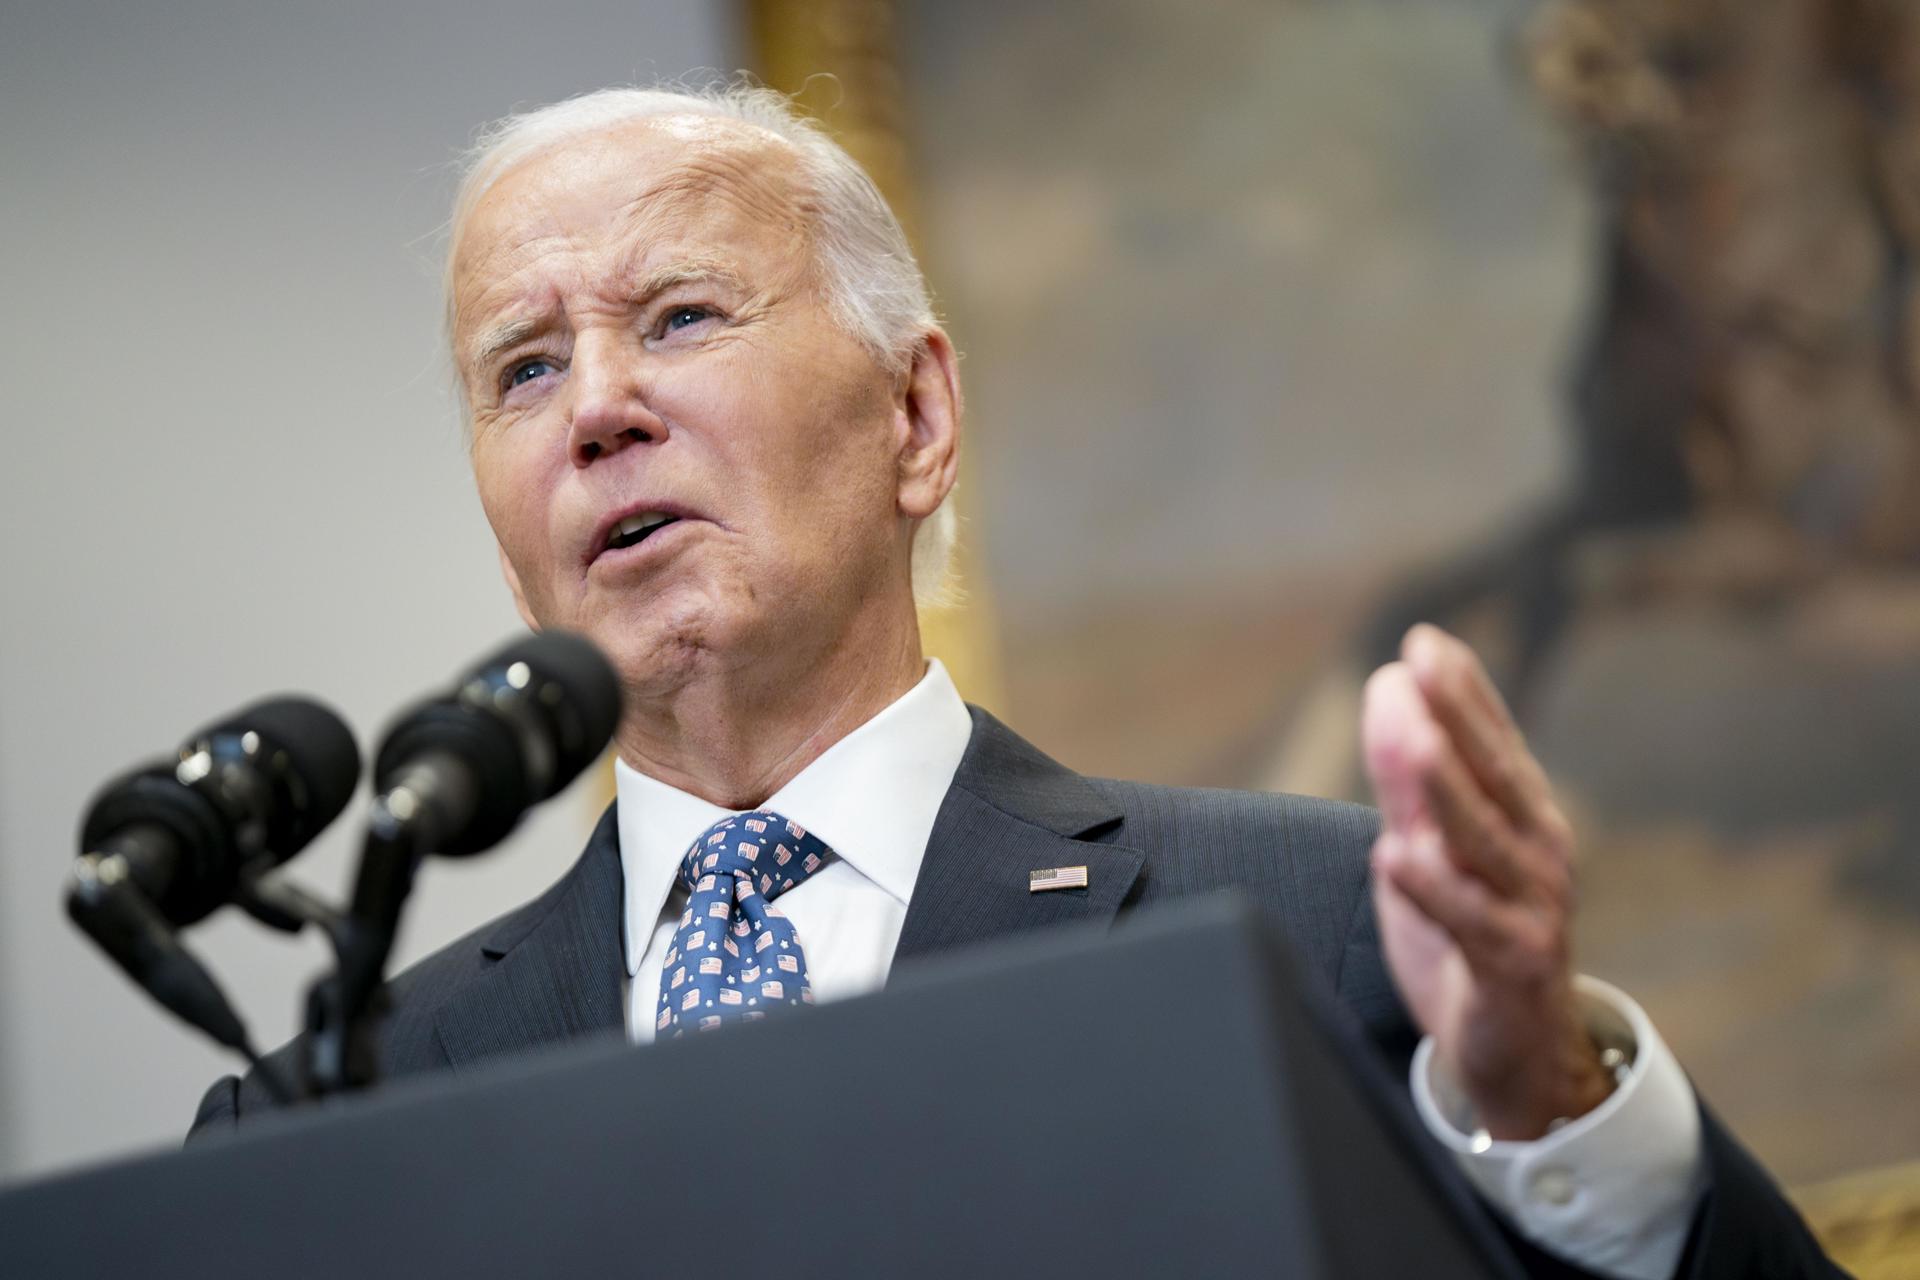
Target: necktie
[735,956]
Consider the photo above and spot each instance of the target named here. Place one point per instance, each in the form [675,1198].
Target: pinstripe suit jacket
[551,971]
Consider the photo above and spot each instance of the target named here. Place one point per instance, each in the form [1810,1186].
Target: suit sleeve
[1745,1227]
[234,1099]
[219,1110]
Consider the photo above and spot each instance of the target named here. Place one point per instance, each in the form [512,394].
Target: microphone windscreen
[577,691]
[189,870]
[494,762]
[314,753]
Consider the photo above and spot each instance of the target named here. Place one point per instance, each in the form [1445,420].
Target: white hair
[873,287]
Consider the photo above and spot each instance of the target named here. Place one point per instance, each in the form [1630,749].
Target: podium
[1167,1098]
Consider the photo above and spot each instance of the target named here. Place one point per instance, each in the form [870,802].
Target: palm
[1427,965]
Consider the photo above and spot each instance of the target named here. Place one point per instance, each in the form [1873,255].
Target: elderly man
[714,425]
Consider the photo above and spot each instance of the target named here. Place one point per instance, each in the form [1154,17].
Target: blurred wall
[230,463]
[1261,304]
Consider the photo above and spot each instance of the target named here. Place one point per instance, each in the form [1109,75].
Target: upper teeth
[645,520]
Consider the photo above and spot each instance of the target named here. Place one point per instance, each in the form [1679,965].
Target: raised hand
[1473,884]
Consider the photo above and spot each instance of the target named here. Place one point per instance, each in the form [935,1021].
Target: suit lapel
[1012,811]
[554,969]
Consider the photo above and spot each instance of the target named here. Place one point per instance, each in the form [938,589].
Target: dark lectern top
[1163,1099]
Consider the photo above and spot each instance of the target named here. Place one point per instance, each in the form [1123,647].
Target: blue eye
[528,370]
[681,317]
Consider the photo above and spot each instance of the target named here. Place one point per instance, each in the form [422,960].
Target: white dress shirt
[1613,1191]
[872,797]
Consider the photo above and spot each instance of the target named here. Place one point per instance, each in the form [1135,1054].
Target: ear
[927,409]
[512,576]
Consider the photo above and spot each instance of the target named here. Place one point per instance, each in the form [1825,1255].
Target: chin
[663,645]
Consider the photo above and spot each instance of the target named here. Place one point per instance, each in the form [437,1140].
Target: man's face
[640,330]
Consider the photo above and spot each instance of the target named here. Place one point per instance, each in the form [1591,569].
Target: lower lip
[658,543]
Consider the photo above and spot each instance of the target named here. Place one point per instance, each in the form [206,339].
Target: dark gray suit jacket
[551,971]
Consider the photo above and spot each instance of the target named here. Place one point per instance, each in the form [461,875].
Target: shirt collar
[872,796]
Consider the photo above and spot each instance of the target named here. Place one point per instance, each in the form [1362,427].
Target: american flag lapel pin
[1044,878]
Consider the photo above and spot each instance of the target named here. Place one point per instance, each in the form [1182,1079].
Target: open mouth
[636,529]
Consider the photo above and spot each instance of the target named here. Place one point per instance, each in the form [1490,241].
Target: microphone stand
[108,903]
[283,904]
[345,1007]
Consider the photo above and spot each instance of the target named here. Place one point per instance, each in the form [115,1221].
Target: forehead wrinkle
[521,309]
[695,269]
[753,174]
[506,291]
[748,173]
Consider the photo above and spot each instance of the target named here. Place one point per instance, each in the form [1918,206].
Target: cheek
[514,492]
[836,507]
[800,443]
[829,449]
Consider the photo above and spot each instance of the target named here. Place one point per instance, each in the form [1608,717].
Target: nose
[609,411]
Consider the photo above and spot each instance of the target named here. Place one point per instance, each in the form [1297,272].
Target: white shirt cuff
[1613,1191]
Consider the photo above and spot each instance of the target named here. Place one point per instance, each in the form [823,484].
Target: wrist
[1565,1077]
[1560,1085]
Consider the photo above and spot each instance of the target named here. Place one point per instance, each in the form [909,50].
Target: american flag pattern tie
[735,956]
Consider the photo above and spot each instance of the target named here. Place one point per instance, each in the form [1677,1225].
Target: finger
[1460,904]
[1418,777]
[1476,836]
[1463,702]
[1478,686]
[1398,737]
[1416,946]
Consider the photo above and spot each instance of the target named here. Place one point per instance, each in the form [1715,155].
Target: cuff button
[1554,1186]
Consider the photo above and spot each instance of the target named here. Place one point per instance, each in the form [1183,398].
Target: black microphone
[248,791]
[453,776]
[163,846]
[460,769]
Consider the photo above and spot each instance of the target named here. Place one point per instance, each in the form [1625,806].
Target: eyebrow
[686,271]
[501,337]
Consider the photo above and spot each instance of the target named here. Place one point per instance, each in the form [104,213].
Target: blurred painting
[1586,329]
